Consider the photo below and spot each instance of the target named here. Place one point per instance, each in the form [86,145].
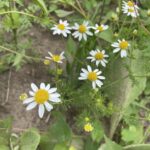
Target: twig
[8,88]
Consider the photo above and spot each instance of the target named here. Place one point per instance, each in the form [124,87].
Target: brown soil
[20,81]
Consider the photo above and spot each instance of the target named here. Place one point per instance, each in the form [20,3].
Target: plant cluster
[107,45]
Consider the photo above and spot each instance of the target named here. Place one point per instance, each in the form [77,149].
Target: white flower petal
[28,100]
[48,106]
[34,87]
[42,86]
[31,106]
[52,90]
[41,110]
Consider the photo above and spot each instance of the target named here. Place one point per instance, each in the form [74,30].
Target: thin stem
[102,10]
[78,10]
[22,13]
[17,53]
[13,23]
[80,7]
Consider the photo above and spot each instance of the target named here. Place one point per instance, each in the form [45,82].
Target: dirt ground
[13,83]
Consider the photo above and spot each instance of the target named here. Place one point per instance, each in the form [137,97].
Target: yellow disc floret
[99,56]
[123,44]
[131,10]
[23,96]
[130,4]
[41,96]
[46,62]
[56,58]
[92,76]
[61,26]
[82,28]
[100,28]
[88,127]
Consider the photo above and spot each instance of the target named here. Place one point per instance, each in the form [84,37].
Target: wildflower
[23,96]
[100,28]
[59,71]
[148,12]
[135,32]
[116,34]
[114,17]
[93,76]
[98,56]
[81,31]
[87,119]
[121,46]
[42,97]
[61,28]
[130,8]
[56,58]
[46,62]
[88,127]
[72,148]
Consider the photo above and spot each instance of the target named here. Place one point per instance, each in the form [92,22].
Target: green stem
[15,52]
[13,23]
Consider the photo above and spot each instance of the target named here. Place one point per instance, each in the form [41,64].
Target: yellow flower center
[130,4]
[88,127]
[61,26]
[100,28]
[23,96]
[56,58]
[123,45]
[92,76]
[99,56]
[41,96]
[131,10]
[82,28]
[46,62]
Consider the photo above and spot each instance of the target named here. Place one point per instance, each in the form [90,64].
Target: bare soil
[13,83]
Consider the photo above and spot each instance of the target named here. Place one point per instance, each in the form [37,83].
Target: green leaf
[98,132]
[5,131]
[18,59]
[60,131]
[138,147]
[42,4]
[124,92]
[107,35]
[29,140]
[132,134]
[4,147]
[63,13]
[110,145]
[60,147]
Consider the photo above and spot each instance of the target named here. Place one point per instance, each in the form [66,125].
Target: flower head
[61,28]
[81,31]
[98,56]
[88,127]
[100,28]
[56,58]
[93,76]
[130,8]
[122,46]
[42,97]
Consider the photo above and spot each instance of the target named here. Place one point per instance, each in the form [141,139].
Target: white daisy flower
[100,28]
[122,46]
[93,76]
[82,31]
[61,28]
[56,58]
[130,8]
[98,56]
[42,97]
